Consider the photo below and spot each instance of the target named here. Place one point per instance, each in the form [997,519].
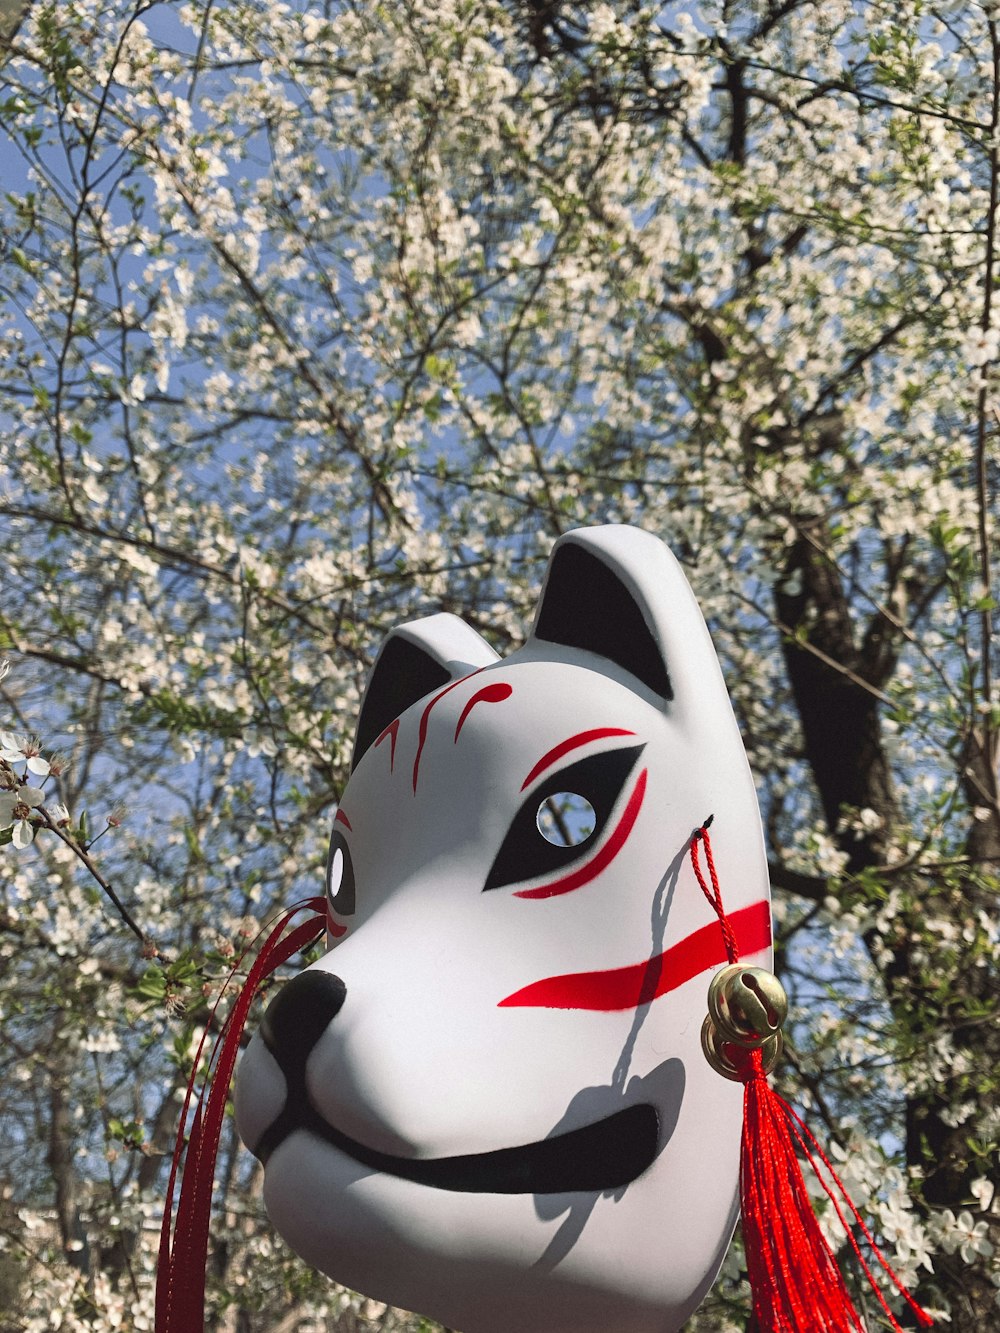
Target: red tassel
[180,1274]
[795,1281]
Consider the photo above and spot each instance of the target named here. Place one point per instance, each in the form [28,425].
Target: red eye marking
[341,818]
[582,738]
[333,928]
[628,987]
[592,868]
[391,730]
[422,735]
[489,694]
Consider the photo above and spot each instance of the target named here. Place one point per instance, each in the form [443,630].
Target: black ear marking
[586,605]
[403,673]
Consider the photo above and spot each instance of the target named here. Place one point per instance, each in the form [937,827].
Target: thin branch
[839,667]
[822,87]
[199,55]
[80,853]
[882,608]
[982,498]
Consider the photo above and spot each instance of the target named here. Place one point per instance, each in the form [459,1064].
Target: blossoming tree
[317,315]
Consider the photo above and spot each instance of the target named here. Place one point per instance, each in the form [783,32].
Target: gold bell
[748,1005]
[731,1059]
[746,1009]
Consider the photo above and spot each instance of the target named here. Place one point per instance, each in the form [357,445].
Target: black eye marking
[526,853]
[340,875]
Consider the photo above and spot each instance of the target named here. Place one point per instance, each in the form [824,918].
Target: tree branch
[148,947]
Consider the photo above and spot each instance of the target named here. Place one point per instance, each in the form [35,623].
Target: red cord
[714,895]
[795,1281]
[181,1269]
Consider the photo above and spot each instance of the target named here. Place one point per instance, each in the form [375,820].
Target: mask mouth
[605,1155]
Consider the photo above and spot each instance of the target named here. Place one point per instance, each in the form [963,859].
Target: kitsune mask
[487,1102]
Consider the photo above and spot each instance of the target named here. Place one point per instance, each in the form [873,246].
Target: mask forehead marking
[564,747]
[392,731]
[592,868]
[425,715]
[641,983]
[341,818]
[489,694]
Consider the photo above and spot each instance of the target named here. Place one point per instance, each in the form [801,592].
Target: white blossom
[964,1235]
[23,750]
[15,813]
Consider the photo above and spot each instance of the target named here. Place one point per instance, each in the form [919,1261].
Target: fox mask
[487,1102]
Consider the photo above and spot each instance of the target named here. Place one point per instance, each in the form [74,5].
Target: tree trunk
[60,1159]
[836,681]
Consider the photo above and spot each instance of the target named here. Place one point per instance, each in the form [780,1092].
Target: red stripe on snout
[641,983]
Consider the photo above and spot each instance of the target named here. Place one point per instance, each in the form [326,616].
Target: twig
[985,622]
[148,947]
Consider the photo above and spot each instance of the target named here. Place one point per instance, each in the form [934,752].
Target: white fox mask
[488,1101]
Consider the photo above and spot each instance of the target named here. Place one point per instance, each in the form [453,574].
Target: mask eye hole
[335,875]
[563,818]
[340,876]
[566,819]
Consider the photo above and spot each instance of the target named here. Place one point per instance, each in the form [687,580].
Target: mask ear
[605,591]
[416,659]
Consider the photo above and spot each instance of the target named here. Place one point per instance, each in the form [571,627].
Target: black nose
[292,1024]
[299,1015]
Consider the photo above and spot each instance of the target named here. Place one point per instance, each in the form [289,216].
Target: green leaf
[181,972]
[152,985]
[439,368]
[129,1132]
